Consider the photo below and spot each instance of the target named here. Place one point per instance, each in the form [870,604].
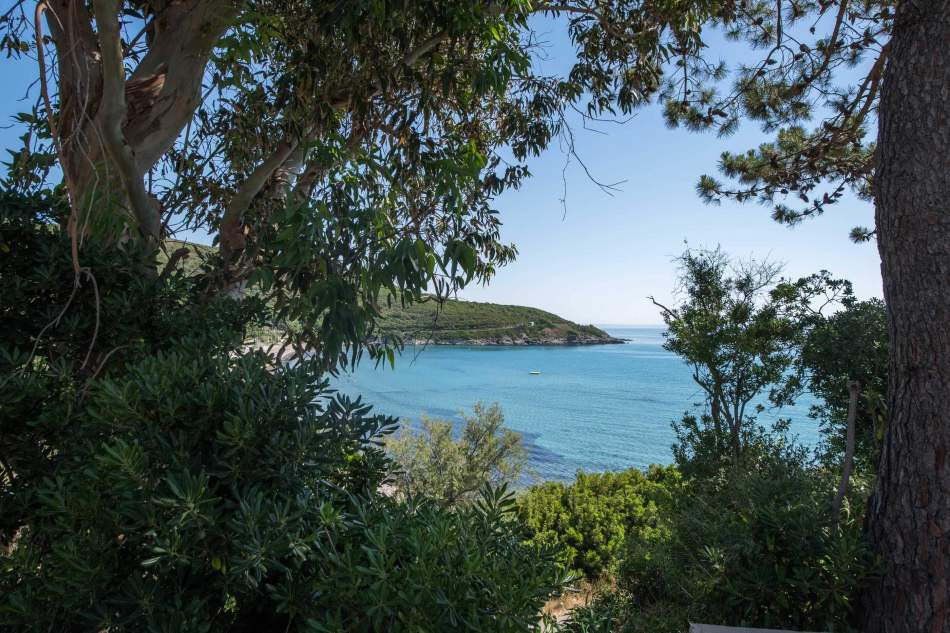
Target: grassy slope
[190,263]
[457,321]
[460,321]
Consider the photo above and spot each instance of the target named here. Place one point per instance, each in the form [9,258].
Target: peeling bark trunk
[162,95]
[909,514]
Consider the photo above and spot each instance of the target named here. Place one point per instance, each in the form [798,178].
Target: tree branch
[232,237]
[854,387]
[112,114]
[173,259]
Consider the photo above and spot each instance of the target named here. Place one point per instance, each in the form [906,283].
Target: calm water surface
[600,407]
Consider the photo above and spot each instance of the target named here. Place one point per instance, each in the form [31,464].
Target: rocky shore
[515,340]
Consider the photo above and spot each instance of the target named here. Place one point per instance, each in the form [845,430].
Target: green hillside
[470,322]
[456,322]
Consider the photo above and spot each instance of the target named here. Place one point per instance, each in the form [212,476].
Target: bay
[592,408]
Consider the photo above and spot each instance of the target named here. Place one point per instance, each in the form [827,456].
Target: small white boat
[535,372]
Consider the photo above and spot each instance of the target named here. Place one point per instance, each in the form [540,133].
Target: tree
[342,155]
[908,520]
[798,79]
[737,342]
[435,465]
[849,346]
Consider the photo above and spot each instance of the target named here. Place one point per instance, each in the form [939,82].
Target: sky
[598,257]
[599,260]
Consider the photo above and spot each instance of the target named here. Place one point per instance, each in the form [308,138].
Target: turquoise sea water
[600,407]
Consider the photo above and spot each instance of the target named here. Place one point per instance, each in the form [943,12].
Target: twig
[95,331]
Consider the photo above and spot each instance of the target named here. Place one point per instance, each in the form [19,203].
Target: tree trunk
[909,513]
[158,99]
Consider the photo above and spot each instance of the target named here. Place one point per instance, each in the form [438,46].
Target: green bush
[748,547]
[591,519]
[217,495]
[164,480]
[432,463]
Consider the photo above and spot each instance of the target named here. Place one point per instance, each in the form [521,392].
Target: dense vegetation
[155,475]
[591,521]
[746,528]
[189,485]
[454,321]
[752,546]
[450,466]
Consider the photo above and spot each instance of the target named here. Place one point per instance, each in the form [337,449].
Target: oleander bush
[166,479]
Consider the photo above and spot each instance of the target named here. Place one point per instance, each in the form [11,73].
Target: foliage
[851,344]
[433,464]
[452,320]
[166,480]
[737,339]
[698,451]
[749,544]
[590,519]
[342,156]
[812,76]
[752,546]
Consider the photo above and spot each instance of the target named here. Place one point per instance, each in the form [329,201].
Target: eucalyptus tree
[340,154]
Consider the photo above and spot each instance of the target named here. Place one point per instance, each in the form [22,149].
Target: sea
[591,408]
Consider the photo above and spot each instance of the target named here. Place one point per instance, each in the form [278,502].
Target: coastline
[508,341]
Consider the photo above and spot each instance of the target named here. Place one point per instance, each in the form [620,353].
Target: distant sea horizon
[591,408]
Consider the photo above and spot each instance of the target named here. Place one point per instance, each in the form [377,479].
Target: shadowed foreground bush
[750,546]
[173,483]
[212,495]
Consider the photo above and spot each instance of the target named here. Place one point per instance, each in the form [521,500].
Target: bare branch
[662,307]
[833,42]
[173,259]
[232,238]
[854,387]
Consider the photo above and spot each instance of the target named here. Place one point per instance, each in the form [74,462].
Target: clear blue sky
[598,262]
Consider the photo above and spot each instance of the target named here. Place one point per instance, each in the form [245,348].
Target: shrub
[434,464]
[748,547]
[165,480]
[591,519]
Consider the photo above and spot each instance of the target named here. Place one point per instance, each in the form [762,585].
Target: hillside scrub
[454,321]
